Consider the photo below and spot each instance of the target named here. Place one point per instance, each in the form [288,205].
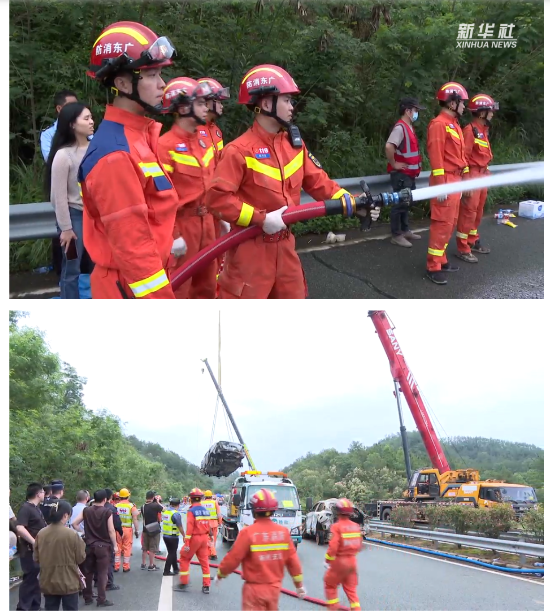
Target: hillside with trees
[352,60]
[54,436]
[378,471]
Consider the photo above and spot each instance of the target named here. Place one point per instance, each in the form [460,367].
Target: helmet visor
[203,90]
[161,49]
[495,106]
[222,94]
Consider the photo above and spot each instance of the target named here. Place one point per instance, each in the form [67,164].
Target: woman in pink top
[74,126]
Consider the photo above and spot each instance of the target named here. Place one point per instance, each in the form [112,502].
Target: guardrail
[520,548]
[37,220]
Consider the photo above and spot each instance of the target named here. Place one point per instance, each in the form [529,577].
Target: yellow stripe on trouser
[246,215]
[436,251]
[271,547]
[208,575]
[333,601]
[184,572]
[150,284]
[472,232]
[461,235]
[354,605]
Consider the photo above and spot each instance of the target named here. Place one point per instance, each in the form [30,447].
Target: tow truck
[437,484]
[289,513]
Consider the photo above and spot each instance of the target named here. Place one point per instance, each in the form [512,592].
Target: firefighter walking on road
[264,549]
[129,202]
[197,533]
[478,157]
[128,515]
[345,543]
[448,162]
[187,154]
[212,506]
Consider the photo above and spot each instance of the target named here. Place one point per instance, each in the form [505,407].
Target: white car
[319,519]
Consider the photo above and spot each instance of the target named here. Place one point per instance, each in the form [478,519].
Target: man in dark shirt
[29,523]
[57,492]
[100,539]
[150,539]
[118,528]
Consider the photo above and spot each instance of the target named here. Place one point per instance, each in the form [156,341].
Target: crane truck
[239,512]
[439,483]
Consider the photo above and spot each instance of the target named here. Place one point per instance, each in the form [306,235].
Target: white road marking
[472,566]
[355,241]
[165,598]
[36,292]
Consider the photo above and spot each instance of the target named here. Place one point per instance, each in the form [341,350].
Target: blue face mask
[415,116]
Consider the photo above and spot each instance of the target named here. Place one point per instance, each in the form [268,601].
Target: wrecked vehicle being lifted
[222,459]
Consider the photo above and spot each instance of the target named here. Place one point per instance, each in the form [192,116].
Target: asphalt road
[374,268]
[389,579]
[378,269]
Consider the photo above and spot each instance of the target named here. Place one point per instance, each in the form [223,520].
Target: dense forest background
[53,435]
[352,60]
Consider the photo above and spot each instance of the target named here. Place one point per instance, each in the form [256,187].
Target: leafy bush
[434,515]
[494,520]
[460,517]
[533,522]
[404,515]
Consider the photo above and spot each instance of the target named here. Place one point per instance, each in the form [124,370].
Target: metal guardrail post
[37,220]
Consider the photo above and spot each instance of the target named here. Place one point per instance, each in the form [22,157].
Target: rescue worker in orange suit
[448,162]
[264,549]
[187,155]
[258,176]
[212,506]
[129,202]
[478,156]
[215,111]
[197,533]
[346,541]
[128,515]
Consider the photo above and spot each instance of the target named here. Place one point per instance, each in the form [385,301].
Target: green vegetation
[352,61]
[378,471]
[53,435]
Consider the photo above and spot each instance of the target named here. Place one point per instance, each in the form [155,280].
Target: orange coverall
[345,543]
[196,538]
[479,156]
[216,136]
[260,172]
[263,549]
[214,523]
[126,511]
[129,208]
[189,159]
[448,163]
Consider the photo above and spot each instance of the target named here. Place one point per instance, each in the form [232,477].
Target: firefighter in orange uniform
[212,506]
[448,162]
[258,176]
[478,156]
[215,111]
[197,533]
[128,515]
[263,549]
[129,202]
[346,541]
[187,154]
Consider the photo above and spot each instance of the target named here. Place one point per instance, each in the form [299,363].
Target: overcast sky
[304,375]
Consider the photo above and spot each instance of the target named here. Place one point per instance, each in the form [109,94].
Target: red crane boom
[402,374]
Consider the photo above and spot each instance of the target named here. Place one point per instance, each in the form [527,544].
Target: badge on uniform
[261,153]
[314,160]
[218,134]
[451,126]
[481,135]
[181,147]
[202,143]
[203,133]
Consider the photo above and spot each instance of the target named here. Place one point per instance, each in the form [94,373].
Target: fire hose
[347,206]
[284,590]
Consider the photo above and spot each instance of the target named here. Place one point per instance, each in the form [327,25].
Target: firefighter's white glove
[326,565]
[217,581]
[273,221]
[179,247]
[375,213]
[224,227]
[301,591]
[442,198]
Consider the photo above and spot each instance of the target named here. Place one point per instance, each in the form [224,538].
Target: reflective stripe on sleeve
[246,215]
[437,172]
[298,578]
[339,193]
[329,557]
[149,285]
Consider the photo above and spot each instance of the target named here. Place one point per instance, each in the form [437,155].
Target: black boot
[206,589]
[437,276]
[448,267]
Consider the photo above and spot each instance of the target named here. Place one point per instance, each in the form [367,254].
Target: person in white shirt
[81,499]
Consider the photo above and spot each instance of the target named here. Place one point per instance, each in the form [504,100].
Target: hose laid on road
[523,571]
[234,238]
[284,590]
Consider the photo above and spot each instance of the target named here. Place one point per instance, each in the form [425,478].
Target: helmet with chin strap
[184,91]
[128,47]
[266,80]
